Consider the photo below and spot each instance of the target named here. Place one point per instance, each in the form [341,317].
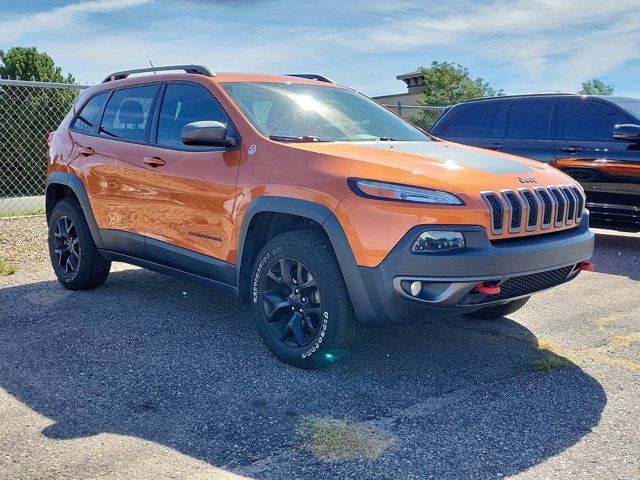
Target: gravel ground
[151,377]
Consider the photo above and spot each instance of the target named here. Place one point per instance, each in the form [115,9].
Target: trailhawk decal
[479,160]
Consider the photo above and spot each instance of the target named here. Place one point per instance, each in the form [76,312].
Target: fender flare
[339,241]
[75,184]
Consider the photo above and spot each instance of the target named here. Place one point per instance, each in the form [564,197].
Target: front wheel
[497,311]
[300,302]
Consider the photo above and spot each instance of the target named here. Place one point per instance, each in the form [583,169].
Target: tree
[447,83]
[27,114]
[596,87]
[26,63]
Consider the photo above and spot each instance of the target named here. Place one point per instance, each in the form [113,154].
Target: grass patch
[6,269]
[551,362]
[22,213]
[334,440]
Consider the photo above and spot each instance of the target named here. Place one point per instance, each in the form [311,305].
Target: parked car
[306,199]
[595,139]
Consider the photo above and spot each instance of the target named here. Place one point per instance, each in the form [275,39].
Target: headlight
[403,193]
[438,241]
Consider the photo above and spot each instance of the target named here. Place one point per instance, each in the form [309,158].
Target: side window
[474,121]
[530,120]
[88,116]
[183,104]
[128,112]
[587,120]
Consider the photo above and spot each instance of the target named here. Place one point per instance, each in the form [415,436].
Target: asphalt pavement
[151,377]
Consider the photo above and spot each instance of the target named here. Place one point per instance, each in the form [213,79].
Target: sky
[519,46]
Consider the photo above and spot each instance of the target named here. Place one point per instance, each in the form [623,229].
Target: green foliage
[27,115]
[449,83]
[6,269]
[596,87]
[26,63]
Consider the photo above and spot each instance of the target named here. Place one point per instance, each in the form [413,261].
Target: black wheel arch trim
[332,227]
[75,184]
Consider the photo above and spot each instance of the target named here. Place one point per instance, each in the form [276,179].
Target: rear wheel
[300,302]
[74,256]
[497,311]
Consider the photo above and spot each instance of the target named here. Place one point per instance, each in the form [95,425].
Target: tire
[315,326]
[497,311]
[74,256]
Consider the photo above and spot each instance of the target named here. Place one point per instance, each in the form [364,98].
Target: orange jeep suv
[310,201]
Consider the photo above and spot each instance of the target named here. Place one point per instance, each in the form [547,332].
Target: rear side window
[587,120]
[128,112]
[183,104]
[88,116]
[474,121]
[530,120]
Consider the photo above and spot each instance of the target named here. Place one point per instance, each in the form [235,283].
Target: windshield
[298,112]
[631,106]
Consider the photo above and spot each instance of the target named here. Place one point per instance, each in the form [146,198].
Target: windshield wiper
[292,138]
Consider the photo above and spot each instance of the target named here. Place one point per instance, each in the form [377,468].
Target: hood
[462,168]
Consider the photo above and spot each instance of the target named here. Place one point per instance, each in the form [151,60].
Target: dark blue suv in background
[595,139]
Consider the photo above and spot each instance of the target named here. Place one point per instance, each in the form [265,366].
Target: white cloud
[19,26]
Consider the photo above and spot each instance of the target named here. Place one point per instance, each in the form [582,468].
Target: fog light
[416,288]
[438,241]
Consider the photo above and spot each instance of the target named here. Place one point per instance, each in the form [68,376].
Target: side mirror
[206,133]
[627,132]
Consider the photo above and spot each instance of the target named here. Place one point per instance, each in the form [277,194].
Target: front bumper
[521,266]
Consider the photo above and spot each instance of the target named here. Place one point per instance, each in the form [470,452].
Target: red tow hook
[587,266]
[488,289]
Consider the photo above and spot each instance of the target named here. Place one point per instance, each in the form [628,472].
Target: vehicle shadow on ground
[159,359]
[618,254]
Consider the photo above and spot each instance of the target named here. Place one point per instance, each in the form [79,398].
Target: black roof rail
[197,69]
[311,76]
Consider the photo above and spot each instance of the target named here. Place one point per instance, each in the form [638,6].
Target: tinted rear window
[474,121]
[587,120]
[530,120]
[88,116]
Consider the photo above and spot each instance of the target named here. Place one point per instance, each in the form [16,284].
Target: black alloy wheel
[292,302]
[66,245]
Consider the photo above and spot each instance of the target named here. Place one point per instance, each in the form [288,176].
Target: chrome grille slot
[515,207]
[561,206]
[580,199]
[571,204]
[533,209]
[547,207]
[496,207]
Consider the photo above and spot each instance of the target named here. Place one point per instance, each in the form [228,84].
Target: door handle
[494,146]
[572,149]
[154,161]
[87,151]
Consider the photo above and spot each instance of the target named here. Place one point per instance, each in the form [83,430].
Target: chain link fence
[423,116]
[28,112]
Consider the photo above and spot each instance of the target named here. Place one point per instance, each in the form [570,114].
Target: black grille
[547,205]
[562,204]
[571,203]
[533,208]
[580,199]
[497,210]
[524,285]
[516,210]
